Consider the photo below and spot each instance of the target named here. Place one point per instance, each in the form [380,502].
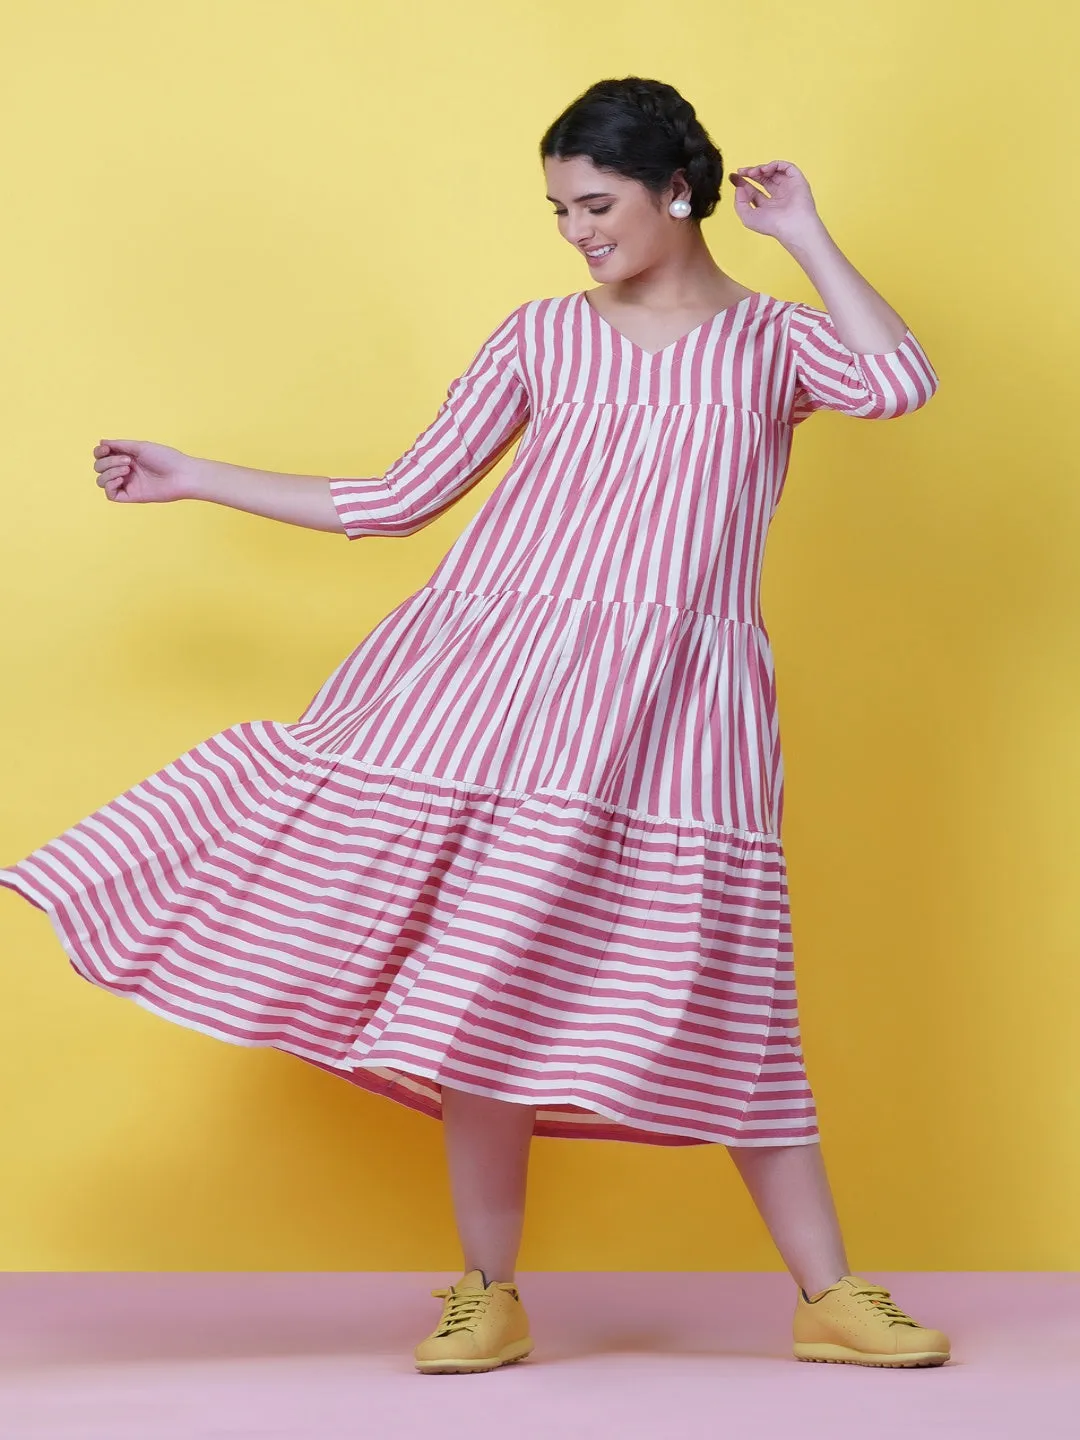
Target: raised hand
[784,209]
[140,472]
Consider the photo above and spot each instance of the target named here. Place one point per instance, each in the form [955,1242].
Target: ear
[679,189]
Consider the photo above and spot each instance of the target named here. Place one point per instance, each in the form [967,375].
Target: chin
[605,274]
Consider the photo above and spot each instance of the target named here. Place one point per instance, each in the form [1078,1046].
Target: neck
[686,279]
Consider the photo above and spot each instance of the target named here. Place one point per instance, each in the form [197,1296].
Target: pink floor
[137,1357]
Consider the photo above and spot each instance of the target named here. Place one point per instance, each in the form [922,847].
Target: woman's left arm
[785,209]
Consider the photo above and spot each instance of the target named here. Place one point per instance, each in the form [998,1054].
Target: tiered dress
[525,841]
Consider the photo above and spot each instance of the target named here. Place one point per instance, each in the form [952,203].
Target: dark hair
[642,129]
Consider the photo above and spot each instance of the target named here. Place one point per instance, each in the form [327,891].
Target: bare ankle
[493,1274]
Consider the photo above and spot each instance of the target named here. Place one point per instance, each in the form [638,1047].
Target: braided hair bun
[642,129]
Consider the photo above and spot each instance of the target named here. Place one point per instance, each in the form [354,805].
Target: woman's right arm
[141,471]
[296,499]
[485,411]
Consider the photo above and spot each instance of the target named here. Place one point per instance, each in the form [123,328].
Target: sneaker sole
[840,1355]
[508,1355]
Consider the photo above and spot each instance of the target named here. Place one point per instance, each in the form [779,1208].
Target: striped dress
[525,841]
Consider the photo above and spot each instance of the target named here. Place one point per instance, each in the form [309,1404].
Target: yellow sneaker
[857,1323]
[482,1327]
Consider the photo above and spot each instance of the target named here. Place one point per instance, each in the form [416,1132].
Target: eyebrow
[580,199]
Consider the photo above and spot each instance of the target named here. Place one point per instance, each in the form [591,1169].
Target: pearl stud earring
[680,209]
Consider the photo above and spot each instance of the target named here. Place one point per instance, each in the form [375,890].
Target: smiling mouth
[600,253]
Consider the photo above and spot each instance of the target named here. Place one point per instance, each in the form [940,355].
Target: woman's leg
[789,1186]
[487,1149]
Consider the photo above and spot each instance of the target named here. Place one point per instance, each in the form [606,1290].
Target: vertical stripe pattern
[526,838]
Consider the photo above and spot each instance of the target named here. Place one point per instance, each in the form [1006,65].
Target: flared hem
[415,1087]
[629,976]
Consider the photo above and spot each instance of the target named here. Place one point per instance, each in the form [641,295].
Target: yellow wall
[272,233]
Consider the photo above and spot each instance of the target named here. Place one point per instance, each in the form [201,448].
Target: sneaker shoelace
[464,1309]
[880,1299]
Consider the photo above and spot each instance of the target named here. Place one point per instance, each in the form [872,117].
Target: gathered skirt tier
[534,887]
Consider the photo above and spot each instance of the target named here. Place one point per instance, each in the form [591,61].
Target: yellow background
[272,233]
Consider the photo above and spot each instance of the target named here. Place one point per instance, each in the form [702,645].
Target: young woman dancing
[518,864]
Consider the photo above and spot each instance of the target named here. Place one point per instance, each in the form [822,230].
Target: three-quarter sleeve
[829,376]
[484,412]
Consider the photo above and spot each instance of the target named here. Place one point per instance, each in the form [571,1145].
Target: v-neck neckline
[673,344]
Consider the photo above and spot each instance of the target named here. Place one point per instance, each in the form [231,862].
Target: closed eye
[600,210]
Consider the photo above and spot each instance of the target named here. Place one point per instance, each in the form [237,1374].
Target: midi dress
[525,840]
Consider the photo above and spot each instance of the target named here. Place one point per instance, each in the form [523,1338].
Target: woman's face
[619,227]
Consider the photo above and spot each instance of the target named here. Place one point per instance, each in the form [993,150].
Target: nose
[580,230]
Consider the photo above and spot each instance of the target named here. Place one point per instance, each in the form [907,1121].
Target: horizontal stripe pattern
[525,839]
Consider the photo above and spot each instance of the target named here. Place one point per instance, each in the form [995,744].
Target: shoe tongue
[472,1280]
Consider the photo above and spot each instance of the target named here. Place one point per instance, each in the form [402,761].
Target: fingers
[112,481]
[113,466]
[771,167]
[747,194]
[769,175]
[113,462]
[749,189]
[113,469]
[117,449]
[747,211]
[755,174]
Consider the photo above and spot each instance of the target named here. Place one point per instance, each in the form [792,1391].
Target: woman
[518,864]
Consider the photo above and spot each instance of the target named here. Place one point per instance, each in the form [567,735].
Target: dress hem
[389,1081]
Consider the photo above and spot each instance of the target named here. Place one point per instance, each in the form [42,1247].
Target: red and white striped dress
[525,841]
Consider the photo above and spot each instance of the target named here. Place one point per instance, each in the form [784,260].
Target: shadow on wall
[271,1164]
[921,594]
